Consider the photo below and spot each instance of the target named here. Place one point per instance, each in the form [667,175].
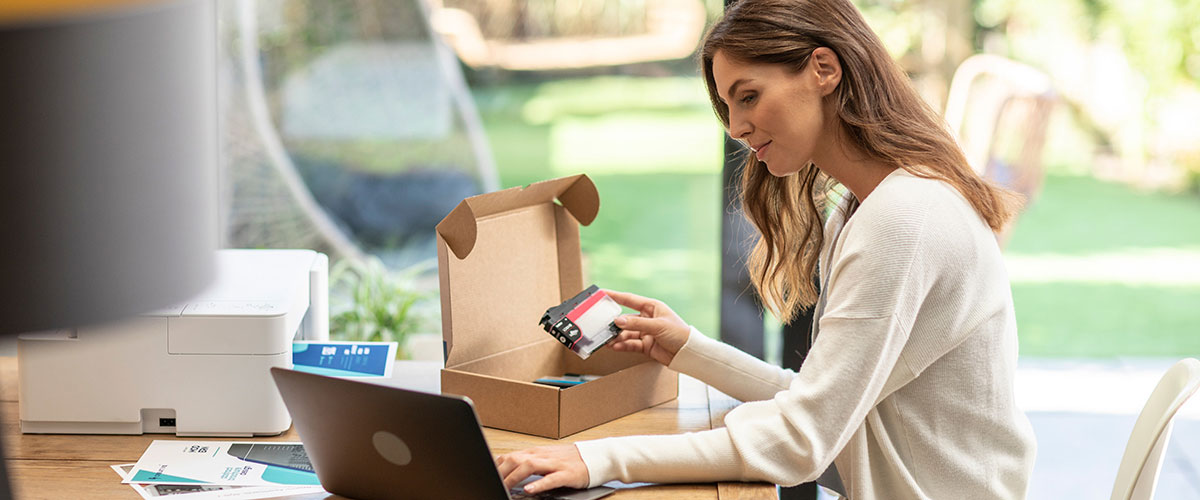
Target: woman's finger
[505,464]
[628,335]
[628,345]
[644,325]
[551,481]
[632,301]
[518,474]
[648,344]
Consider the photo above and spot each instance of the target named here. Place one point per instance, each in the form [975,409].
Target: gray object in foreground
[108,153]
[107,162]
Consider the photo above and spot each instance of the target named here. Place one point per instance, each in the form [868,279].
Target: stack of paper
[221,469]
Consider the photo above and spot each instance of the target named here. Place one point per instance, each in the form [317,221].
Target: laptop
[373,442]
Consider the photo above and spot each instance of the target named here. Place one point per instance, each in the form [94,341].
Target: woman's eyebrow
[733,87]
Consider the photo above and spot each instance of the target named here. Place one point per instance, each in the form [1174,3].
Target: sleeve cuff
[598,464]
[690,359]
[693,457]
[730,370]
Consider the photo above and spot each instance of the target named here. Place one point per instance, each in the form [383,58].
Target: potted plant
[370,303]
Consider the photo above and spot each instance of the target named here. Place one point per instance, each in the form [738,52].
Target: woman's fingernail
[529,488]
[620,321]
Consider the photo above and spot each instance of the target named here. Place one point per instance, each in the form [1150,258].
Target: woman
[908,388]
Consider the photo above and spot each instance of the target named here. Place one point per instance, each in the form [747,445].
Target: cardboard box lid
[504,258]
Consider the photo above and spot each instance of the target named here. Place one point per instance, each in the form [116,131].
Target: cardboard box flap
[577,194]
[519,256]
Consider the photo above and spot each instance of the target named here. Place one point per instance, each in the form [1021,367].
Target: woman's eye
[748,98]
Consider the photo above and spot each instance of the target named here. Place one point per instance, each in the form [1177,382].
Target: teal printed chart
[344,359]
[223,463]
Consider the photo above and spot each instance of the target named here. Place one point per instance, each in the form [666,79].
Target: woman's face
[774,110]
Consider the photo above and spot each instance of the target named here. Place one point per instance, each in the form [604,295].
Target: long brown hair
[879,111]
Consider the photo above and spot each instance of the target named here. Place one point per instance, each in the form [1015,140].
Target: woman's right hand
[656,332]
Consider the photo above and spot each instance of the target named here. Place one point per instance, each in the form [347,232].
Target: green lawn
[653,149]
[652,146]
[1102,320]
[1086,314]
[1079,215]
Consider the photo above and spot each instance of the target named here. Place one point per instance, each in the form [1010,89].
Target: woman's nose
[739,129]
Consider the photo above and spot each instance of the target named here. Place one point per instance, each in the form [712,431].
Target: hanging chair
[347,127]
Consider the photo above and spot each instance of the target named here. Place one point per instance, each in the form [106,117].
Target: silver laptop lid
[373,442]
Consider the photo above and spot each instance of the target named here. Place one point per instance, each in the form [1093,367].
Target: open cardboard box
[503,259]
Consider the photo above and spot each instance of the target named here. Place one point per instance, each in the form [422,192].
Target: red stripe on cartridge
[587,304]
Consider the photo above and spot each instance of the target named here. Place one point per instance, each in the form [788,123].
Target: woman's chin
[780,170]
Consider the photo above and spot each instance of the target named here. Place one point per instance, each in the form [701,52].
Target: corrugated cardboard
[503,259]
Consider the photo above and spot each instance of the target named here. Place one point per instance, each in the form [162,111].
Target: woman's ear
[828,69]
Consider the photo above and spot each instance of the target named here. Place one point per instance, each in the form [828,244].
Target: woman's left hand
[560,465]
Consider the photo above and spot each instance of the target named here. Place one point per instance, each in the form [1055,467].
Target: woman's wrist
[594,459]
[693,335]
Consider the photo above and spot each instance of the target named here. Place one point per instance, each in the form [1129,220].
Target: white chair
[999,110]
[1138,474]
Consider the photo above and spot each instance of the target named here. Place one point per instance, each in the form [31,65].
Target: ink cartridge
[584,323]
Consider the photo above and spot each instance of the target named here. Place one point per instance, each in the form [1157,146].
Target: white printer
[196,369]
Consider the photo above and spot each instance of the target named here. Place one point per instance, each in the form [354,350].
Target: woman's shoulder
[899,201]
[905,203]
[905,188]
[903,193]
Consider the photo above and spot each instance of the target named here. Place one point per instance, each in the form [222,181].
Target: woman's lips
[761,151]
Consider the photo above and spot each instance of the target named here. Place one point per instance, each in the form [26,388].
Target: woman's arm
[730,370]
[788,439]
[659,333]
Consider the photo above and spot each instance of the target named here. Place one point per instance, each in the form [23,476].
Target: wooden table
[77,466]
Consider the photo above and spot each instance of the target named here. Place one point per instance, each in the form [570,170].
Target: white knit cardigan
[908,387]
